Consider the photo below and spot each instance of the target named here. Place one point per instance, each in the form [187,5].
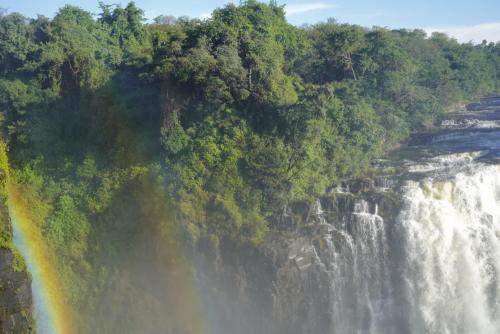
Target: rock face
[15,284]
[287,284]
[15,296]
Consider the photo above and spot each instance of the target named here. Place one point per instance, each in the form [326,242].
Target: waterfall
[450,232]
[360,282]
[433,270]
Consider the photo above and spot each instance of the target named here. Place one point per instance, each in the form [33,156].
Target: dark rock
[284,285]
[15,284]
[15,296]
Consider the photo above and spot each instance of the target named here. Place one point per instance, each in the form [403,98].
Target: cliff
[15,284]
[15,295]
[285,285]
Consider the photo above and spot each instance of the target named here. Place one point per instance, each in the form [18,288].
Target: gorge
[238,174]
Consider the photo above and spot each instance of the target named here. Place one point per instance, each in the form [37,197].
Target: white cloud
[204,16]
[306,7]
[475,33]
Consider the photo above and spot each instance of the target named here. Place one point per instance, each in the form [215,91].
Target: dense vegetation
[132,141]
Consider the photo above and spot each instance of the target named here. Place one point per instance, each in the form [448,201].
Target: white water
[448,164]
[434,270]
[470,123]
[450,234]
[360,279]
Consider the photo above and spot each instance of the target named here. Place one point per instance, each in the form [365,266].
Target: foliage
[132,141]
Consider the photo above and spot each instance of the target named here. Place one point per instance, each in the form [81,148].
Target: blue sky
[464,19]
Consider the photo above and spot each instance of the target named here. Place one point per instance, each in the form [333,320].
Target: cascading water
[360,282]
[435,268]
[450,230]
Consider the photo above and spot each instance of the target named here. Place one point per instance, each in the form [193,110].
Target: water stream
[436,268]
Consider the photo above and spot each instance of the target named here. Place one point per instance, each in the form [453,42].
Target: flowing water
[436,267]
[41,314]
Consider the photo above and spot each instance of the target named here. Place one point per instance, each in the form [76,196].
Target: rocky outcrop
[15,284]
[15,295]
[285,285]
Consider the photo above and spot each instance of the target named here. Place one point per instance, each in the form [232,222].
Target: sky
[466,20]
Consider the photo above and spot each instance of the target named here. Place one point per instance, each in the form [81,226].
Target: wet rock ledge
[284,286]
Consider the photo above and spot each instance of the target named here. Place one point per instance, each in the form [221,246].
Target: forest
[133,141]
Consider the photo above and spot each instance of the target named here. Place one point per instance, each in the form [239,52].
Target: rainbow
[51,311]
